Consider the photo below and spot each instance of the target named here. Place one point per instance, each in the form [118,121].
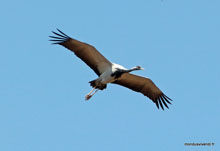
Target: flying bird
[109,72]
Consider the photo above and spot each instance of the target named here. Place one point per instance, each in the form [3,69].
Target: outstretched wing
[85,52]
[144,86]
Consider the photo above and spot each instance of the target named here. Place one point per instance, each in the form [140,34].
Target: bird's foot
[87,97]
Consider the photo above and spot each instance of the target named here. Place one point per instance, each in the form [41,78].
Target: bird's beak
[142,68]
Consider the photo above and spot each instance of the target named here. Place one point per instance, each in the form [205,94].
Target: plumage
[144,86]
[110,72]
[85,52]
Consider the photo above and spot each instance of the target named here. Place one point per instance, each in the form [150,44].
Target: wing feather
[87,53]
[144,86]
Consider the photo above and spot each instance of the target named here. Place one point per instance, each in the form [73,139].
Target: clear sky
[42,86]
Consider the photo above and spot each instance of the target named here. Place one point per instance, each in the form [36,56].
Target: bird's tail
[97,85]
[93,83]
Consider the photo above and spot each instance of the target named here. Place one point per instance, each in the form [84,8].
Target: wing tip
[156,102]
[59,37]
[162,101]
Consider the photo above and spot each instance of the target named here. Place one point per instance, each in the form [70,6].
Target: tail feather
[98,85]
[92,83]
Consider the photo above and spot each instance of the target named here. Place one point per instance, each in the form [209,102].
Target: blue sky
[42,86]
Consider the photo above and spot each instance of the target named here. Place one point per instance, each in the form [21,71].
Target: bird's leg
[93,94]
[88,96]
[91,91]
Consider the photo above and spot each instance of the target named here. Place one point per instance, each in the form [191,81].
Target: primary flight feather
[110,72]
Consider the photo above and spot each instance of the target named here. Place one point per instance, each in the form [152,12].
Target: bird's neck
[132,69]
[119,72]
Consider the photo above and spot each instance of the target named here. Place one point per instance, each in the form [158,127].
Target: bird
[109,72]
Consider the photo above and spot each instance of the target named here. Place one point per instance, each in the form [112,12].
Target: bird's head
[138,68]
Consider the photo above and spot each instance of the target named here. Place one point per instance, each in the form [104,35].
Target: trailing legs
[89,95]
